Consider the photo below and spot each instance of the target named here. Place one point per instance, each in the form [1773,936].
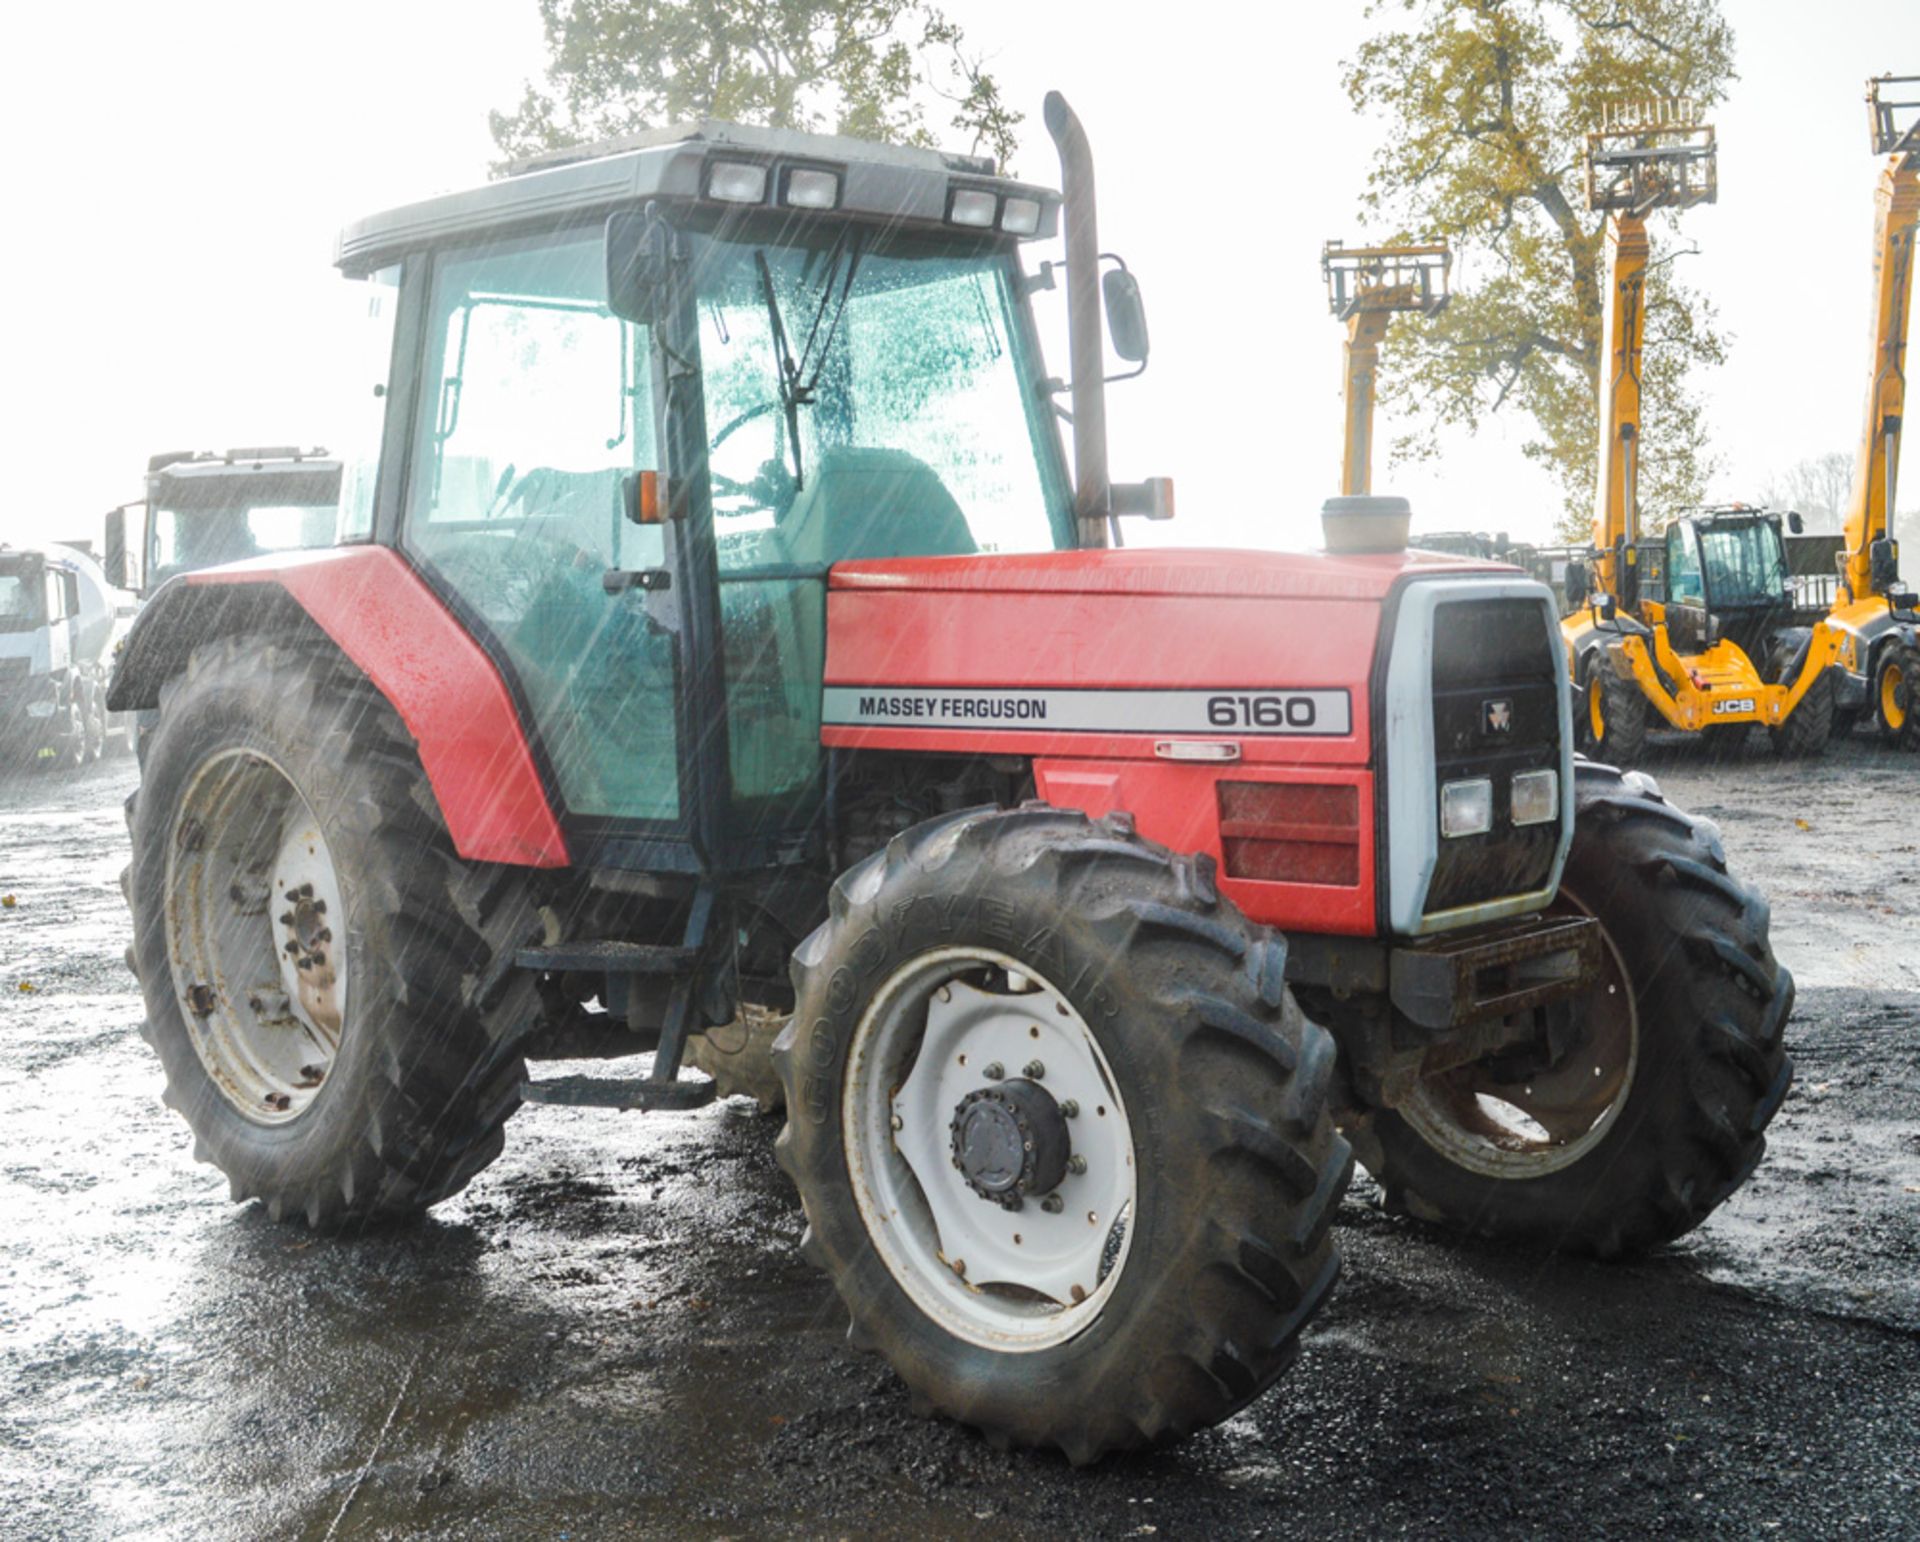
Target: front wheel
[1616,715]
[1633,1130]
[1059,1130]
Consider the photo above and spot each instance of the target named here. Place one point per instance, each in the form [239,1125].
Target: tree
[1817,487]
[1487,103]
[869,68]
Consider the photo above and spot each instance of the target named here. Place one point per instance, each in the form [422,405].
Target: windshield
[868,398]
[204,536]
[1745,564]
[20,601]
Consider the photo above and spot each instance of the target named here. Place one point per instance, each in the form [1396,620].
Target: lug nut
[994,1072]
[1076,1165]
[900,1124]
[1034,1071]
[1070,1109]
[1053,1204]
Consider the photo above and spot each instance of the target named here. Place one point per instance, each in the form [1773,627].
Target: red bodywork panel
[1089,621]
[1202,621]
[441,682]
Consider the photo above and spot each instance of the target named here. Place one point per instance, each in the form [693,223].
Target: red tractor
[717,638]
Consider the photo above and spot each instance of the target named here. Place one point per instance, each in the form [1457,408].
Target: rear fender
[371,604]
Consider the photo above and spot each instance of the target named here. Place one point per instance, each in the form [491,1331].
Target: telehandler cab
[722,628]
[1704,655]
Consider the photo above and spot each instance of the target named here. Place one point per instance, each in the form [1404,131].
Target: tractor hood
[1220,573]
[1106,652]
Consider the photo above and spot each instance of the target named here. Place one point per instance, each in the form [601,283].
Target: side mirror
[1577,584]
[1607,607]
[1126,314]
[638,250]
[114,558]
[1796,524]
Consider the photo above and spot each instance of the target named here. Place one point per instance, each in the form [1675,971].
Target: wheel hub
[1010,1141]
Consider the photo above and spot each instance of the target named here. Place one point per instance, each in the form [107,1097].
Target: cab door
[533,407]
[1686,589]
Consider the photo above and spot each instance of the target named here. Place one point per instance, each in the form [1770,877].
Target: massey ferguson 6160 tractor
[720,629]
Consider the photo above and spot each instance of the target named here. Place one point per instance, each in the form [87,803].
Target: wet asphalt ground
[611,1332]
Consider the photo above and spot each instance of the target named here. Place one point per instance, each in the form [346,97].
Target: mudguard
[383,616]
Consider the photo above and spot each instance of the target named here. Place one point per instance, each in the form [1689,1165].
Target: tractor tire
[1619,734]
[739,1057]
[1684,1038]
[1163,1282]
[1896,697]
[283,814]
[1845,720]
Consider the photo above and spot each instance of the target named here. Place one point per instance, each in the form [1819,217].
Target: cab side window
[536,402]
[1684,586]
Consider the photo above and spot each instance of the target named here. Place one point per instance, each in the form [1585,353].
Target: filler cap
[1362,523]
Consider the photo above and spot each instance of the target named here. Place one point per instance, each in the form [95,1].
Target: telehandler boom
[1873,615]
[1366,287]
[1688,651]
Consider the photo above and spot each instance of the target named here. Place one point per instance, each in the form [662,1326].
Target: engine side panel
[385,618]
[1103,675]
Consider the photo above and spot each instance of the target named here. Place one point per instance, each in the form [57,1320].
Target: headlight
[1466,808]
[1536,797]
[1020,216]
[970,206]
[808,188]
[737,182]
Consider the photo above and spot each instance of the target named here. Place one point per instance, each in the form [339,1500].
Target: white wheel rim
[253,906]
[1550,1121]
[1014,1280]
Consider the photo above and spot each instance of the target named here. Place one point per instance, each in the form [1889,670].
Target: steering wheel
[759,411]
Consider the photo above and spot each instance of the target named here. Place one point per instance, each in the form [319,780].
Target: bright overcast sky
[179,172]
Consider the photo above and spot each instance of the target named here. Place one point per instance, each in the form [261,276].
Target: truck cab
[59,623]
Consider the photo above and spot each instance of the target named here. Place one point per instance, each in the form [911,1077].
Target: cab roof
[890,183]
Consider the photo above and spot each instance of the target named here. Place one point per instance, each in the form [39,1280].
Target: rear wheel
[739,1057]
[1060,1132]
[310,948]
[1633,1133]
[1809,725]
[1896,696]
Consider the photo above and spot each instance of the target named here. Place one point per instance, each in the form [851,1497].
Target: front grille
[1496,712]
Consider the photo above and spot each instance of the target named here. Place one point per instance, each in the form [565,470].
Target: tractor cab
[650,392]
[204,509]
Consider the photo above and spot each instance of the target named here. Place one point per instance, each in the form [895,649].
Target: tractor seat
[873,503]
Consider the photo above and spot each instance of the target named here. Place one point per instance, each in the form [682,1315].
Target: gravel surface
[611,1333]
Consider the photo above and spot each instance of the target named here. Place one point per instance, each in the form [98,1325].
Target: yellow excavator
[1668,631]
[1367,286]
[1873,613]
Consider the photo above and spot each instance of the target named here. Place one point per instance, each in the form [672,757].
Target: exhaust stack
[1086,347]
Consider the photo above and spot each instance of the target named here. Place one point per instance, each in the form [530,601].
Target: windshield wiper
[797,386]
